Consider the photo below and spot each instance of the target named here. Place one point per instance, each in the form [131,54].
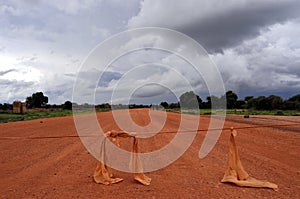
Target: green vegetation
[189,100]
[11,117]
[37,100]
[237,111]
[264,112]
[188,103]
[44,113]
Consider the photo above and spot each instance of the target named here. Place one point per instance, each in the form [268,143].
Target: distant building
[19,107]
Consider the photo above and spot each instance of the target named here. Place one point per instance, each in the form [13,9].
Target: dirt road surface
[63,168]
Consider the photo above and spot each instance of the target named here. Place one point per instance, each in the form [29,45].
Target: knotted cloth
[236,173]
[103,174]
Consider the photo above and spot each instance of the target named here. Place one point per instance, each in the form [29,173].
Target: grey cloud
[58,94]
[222,26]
[261,82]
[70,75]
[2,48]
[107,77]
[72,28]
[89,78]
[259,67]
[7,71]
[151,90]
[16,85]
[285,91]
[230,29]
[167,96]
[15,90]
[60,27]
[264,77]
[264,65]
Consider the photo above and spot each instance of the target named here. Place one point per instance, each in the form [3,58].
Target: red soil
[62,167]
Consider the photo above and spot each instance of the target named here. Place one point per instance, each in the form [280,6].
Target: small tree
[67,105]
[37,100]
[274,102]
[214,102]
[190,100]
[174,105]
[231,99]
[164,104]
[293,102]
[249,100]
[260,103]
[6,107]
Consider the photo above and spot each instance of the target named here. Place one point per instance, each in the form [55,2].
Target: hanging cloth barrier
[236,173]
[136,165]
[103,174]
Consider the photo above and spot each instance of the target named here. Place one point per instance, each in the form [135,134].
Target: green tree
[37,100]
[249,102]
[215,101]
[207,104]
[293,103]
[260,103]
[6,107]
[164,104]
[295,98]
[67,105]
[174,105]
[240,104]
[231,99]
[189,100]
[273,102]
[200,102]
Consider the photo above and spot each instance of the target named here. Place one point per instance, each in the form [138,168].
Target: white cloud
[73,6]
[268,63]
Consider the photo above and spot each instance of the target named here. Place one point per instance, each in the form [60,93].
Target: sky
[254,44]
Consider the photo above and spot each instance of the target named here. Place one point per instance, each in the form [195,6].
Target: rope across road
[141,133]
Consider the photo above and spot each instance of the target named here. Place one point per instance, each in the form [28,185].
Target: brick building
[19,107]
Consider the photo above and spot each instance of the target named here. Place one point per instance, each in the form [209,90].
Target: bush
[279,113]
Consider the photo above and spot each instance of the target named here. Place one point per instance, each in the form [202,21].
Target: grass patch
[265,112]
[238,112]
[12,117]
[196,112]
[9,117]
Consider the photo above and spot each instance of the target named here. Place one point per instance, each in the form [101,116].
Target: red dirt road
[62,167]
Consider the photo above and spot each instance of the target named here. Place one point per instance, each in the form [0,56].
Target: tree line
[187,100]
[272,102]
[38,100]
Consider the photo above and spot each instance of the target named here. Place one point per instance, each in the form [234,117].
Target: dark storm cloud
[223,24]
[244,90]
[231,28]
